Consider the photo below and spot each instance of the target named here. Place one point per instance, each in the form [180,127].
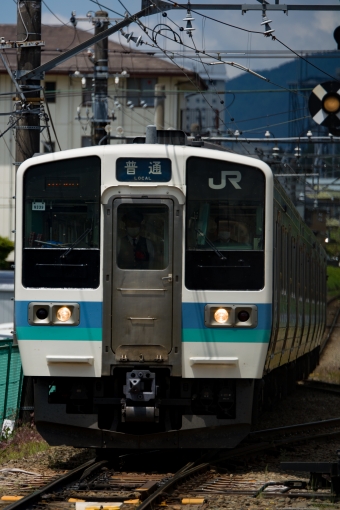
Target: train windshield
[61,224]
[224,226]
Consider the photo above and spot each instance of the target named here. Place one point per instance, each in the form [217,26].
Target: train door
[142,287]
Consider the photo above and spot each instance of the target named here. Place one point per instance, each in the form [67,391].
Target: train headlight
[231,316]
[221,315]
[218,316]
[64,314]
[56,314]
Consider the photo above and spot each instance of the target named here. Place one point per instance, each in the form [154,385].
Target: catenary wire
[257,32]
[238,28]
[61,21]
[195,85]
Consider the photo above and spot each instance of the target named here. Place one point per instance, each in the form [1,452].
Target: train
[165,293]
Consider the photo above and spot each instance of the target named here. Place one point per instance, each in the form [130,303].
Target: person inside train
[228,232]
[134,250]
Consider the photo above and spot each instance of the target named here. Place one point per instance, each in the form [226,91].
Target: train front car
[143,293]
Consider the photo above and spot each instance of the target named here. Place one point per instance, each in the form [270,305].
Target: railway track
[99,483]
[320,386]
[102,485]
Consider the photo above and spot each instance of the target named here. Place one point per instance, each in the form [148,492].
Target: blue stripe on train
[90,313]
[193,315]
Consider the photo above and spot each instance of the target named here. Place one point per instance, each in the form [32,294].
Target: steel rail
[247,449]
[183,473]
[334,422]
[35,497]
[256,448]
[320,386]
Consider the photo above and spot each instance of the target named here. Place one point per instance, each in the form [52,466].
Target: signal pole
[28,58]
[101,73]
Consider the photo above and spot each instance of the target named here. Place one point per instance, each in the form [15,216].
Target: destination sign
[143,169]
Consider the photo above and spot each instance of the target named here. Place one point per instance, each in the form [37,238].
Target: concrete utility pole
[28,58]
[159,106]
[28,126]
[101,73]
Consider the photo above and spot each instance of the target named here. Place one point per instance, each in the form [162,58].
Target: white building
[133,76]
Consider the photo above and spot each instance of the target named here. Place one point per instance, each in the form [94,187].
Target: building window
[86,141]
[51,91]
[141,91]
[87,93]
[48,147]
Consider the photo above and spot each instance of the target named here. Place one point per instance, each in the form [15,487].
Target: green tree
[6,246]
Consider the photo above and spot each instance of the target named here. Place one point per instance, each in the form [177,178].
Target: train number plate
[38,206]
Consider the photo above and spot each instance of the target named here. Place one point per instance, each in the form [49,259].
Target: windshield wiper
[209,243]
[77,241]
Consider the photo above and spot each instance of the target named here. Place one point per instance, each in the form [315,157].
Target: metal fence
[6,296]
[11,378]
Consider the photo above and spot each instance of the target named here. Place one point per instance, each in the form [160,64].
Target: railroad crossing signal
[324,106]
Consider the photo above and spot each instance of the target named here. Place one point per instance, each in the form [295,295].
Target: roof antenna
[151,134]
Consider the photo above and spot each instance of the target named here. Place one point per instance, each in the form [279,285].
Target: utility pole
[101,73]
[159,106]
[28,125]
[28,58]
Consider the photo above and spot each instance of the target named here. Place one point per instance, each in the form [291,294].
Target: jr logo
[234,178]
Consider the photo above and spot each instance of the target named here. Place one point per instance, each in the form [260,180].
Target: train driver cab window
[224,226]
[61,224]
[142,237]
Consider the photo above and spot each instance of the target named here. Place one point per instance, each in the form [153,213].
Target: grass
[24,442]
[333,281]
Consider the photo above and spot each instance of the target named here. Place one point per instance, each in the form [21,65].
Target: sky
[304,30]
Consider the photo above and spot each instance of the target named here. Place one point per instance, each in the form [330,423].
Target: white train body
[124,255]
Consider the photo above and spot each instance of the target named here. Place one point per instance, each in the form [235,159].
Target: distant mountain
[265,99]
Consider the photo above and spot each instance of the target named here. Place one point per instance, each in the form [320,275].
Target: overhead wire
[22,20]
[198,52]
[165,53]
[262,33]
[10,127]
[61,21]
[171,52]
[304,59]
[276,124]
[232,26]
[107,8]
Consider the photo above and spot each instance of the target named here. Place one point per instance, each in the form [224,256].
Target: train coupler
[140,387]
[139,414]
